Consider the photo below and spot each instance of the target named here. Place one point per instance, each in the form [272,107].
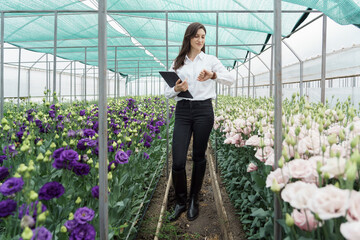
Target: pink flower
[336,148]
[299,168]
[298,194]
[253,141]
[334,130]
[252,167]
[280,174]
[329,202]
[304,220]
[350,230]
[263,154]
[270,160]
[247,130]
[334,166]
[353,213]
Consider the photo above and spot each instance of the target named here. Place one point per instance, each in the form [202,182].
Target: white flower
[334,166]
[280,174]
[353,213]
[329,202]
[298,194]
[350,230]
[299,168]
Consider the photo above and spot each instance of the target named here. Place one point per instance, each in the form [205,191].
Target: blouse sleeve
[168,91]
[223,76]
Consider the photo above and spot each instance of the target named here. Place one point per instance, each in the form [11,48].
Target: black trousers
[191,118]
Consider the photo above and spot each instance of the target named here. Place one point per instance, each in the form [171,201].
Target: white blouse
[191,69]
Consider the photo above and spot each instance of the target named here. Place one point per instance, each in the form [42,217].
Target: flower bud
[275,187]
[48,153]
[24,148]
[27,233]
[71,216]
[4,122]
[40,157]
[354,142]
[63,229]
[332,139]
[41,217]
[22,168]
[39,143]
[350,172]
[53,145]
[110,176]
[289,220]
[78,200]
[33,195]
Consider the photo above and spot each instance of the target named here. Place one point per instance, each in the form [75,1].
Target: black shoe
[196,183]
[177,212]
[179,181]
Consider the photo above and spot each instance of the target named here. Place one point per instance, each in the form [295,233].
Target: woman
[195,116]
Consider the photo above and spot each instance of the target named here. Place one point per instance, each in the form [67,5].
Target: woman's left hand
[205,75]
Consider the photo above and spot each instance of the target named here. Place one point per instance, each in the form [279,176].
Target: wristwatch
[214,76]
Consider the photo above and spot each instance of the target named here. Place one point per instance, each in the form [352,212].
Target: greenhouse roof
[136,33]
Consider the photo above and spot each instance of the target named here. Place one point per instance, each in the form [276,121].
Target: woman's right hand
[181,86]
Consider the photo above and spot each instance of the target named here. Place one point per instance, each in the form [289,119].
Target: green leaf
[260,213]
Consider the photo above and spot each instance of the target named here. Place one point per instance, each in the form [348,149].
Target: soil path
[205,227]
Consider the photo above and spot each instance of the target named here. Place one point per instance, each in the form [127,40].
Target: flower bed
[49,167]
[317,181]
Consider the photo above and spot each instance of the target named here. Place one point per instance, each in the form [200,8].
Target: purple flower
[11,186]
[146,156]
[52,113]
[60,117]
[65,158]
[81,169]
[32,208]
[128,152]
[86,142]
[4,172]
[89,133]
[51,190]
[58,152]
[41,233]
[121,157]
[83,232]
[69,155]
[147,144]
[82,112]
[2,158]
[10,149]
[52,106]
[7,207]
[71,133]
[84,215]
[95,192]
[71,225]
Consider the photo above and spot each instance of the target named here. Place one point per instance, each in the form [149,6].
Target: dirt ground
[205,227]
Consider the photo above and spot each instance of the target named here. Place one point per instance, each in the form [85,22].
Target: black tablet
[171,78]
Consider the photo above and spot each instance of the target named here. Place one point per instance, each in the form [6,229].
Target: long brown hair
[190,33]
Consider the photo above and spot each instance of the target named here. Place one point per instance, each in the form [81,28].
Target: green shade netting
[140,37]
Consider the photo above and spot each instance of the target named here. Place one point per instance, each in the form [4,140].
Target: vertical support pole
[249,74]
[138,85]
[28,85]
[278,108]
[243,87]
[75,80]
[323,59]
[103,148]
[115,80]
[54,53]
[272,66]
[71,80]
[60,86]
[85,78]
[2,66]
[159,85]
[94,83]
[151,81]
[19,70]
[237,80]
[253,86]
[47,75]
[167,100]
[216,84]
